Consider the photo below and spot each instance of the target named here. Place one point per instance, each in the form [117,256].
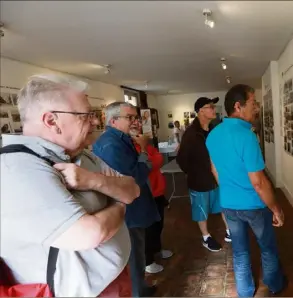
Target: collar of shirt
[238,121]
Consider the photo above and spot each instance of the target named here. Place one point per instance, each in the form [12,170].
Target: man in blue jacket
[115,147]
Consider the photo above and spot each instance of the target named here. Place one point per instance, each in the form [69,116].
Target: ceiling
[163,42]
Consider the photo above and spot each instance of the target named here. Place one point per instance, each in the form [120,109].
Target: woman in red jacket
[158,186]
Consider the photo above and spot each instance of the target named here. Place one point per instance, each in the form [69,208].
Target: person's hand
[76,177]
[142,141]
[278,218]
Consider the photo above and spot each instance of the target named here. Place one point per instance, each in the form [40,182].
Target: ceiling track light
[208,20]
[107,68]
[146,84]
[228,80]
[224,66]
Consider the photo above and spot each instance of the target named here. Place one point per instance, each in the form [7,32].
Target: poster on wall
[288,116]
[146,122]
[268,117]
[5,123]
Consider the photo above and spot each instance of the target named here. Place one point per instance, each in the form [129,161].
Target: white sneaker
[166,254]
[154,268]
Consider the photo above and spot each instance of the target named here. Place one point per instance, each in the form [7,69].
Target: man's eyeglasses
[89,115]
[130,118]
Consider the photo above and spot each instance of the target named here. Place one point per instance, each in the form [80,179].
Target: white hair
[44,89]
[113,110]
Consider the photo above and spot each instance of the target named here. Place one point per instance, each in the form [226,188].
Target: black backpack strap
[15,148]
[53,252]
[51,268]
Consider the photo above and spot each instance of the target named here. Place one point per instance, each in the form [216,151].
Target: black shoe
[211,244]
[228,238]
[149,292]
[285,285]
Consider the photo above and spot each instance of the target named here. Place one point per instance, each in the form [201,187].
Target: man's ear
[50,121]
[237,107]
[112,121]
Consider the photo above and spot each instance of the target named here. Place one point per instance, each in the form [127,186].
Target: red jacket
[157,179]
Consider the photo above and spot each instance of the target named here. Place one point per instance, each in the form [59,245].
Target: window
[131,97]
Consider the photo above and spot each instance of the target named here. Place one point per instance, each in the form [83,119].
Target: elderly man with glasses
[116,148]
[55,201]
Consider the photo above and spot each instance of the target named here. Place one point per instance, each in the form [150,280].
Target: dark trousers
[137,261]
[260,221]
[153,233]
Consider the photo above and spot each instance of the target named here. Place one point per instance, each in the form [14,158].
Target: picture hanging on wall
[170,115]
[101,117]
[5,99]
[268,117]
[288,116]
[192,115]
[15,121]
[186,114]
[6,128]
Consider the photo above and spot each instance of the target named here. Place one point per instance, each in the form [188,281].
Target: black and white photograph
[4,115]
[15,116]
[288,116]
[6,128]
[192,115]
[268,117]
[186,115]
[5,99]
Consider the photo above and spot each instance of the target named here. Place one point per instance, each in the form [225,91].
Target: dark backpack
[8,285]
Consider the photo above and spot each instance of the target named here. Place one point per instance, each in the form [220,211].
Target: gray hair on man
[43,89]
[113,110]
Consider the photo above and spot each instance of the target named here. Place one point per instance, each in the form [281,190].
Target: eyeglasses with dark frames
[89,115]
[130,118]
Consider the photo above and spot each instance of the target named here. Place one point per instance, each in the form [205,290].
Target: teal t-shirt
[235,152]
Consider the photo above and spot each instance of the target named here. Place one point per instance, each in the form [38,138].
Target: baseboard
[287,193]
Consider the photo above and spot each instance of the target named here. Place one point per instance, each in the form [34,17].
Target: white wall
[279,163]
[178,104]
[285,61]
[15,74]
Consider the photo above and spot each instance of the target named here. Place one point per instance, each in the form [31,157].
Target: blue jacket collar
[238,121]
[117,132]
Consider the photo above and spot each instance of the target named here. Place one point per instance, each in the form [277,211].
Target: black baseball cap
[202,101]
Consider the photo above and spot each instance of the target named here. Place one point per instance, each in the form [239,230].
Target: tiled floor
[194,271]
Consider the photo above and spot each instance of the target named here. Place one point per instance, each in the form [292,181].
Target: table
[172,168]
[168,150]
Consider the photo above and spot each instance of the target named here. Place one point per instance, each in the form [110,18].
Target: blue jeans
[260,221]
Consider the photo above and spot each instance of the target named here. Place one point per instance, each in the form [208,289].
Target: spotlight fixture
[228,80]
[1,29]
[208,20]
[107,68]
[223,64]
[146,84]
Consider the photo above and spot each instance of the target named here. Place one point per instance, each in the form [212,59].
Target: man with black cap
[193,158]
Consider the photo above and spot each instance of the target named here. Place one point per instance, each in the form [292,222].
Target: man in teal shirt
[246,195]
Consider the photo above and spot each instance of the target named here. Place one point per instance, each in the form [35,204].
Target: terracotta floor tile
[216,270]
[230,290]
[230,278]
[193,270]
[212,287]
